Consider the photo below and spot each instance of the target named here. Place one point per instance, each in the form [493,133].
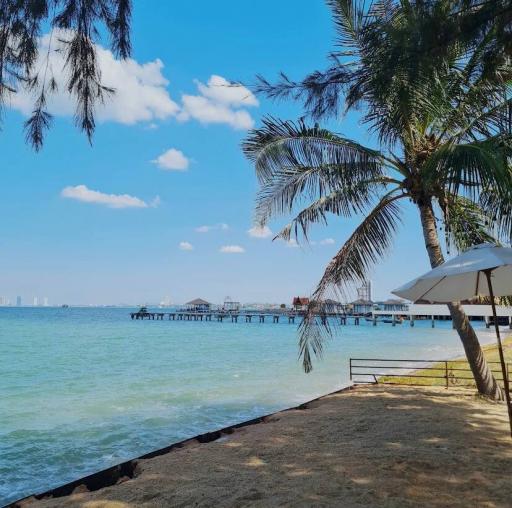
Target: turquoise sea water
[83,389]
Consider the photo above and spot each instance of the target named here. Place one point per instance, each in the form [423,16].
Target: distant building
[361,306]
[300,303]
[365,291]
[230,305]
[4,301]
[198,305]
[18,301]
[35,302]
[394,305]
[333,305]
[45,302]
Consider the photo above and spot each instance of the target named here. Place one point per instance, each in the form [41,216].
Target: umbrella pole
[500,348]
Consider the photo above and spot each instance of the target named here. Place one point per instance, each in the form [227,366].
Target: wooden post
[446,373]
[394,320]
[411,320]
[500,348]
[433,322]
[374,320]
[487,322]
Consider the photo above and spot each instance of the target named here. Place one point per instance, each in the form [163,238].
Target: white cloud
[206,229]
[172,160]
[219,101]
[232,249]
[327,241]
[86,195]
[141,89]
[186,246]
[292,243]
[222,91]
[260,232]
[141,92]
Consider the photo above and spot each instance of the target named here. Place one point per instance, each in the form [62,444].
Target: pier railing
[417,372]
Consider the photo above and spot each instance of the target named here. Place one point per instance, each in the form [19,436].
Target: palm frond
[499,210]
[281,143]
[294,161]
[349,18]
[320,91]
[367,244]
[472,168]
[466,223]
[346,202]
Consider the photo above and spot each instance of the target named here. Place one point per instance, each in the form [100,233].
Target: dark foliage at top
[75,26]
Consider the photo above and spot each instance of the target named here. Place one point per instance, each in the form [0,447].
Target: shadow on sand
[371,446]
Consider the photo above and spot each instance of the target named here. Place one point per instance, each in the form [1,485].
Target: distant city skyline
[364,292]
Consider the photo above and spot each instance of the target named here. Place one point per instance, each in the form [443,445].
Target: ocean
[82,389]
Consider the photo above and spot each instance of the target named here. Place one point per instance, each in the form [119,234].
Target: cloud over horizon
[222,226]
[260,232]
[186,246]
[232,249]
[84,194]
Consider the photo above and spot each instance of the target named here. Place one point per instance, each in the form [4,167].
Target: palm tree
[441,110]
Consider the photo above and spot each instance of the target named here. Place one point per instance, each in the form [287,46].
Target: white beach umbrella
[483,270]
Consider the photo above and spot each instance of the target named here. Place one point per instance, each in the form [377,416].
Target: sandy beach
[369,446]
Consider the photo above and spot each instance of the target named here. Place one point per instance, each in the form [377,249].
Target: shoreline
[118,473]
[127,468]
[364,446]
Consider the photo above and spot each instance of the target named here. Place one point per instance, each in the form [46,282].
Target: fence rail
[426,372]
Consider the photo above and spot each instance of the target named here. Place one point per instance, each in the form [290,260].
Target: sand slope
[371,446]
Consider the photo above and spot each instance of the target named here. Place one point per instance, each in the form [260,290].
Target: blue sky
[118,221]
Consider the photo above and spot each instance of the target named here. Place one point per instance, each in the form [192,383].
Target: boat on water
[397,321]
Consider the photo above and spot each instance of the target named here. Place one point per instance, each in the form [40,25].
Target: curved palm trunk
[485,381]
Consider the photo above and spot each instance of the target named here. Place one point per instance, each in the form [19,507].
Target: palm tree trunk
[485,381]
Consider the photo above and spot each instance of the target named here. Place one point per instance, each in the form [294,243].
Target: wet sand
[370,446]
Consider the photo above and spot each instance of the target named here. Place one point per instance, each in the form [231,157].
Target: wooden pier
[243,316]
[424,312]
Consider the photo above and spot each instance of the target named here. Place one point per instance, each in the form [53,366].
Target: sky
[162,203]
